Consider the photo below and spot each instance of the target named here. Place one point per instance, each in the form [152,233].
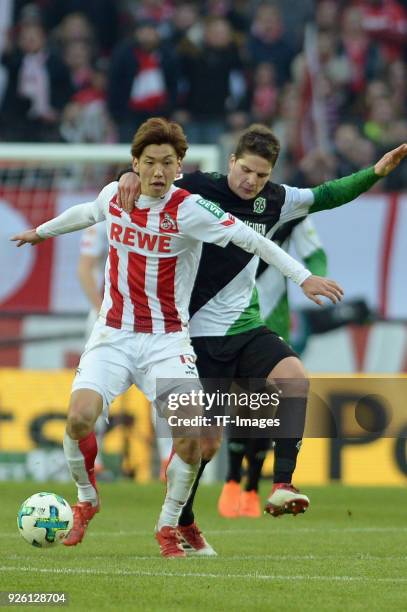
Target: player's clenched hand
[129,191]
[314,286]
[390,160]
[27,237]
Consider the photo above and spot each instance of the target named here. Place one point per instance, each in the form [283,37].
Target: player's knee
[291,374]
[188,449]
[79,424]
[82,416]
[209,448]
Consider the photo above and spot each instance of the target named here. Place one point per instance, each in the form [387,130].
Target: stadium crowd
[329,76]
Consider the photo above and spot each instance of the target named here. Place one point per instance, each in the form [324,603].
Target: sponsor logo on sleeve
[211,207]
[231,220]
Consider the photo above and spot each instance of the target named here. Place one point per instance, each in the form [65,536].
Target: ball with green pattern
[44,519]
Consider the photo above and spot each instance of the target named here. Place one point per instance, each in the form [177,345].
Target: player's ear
[179,166]
[232,161]
[135,164]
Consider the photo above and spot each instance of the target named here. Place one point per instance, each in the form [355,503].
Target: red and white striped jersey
[154,253]
[153,257]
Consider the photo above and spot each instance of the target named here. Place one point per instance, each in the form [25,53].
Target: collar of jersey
[149,202]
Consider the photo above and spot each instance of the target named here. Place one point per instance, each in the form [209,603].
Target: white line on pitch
[271,577]
[278,558]
[233,532]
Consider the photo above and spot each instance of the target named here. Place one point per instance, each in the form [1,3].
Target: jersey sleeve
[343,190]
[328,195]
[297,203]
[252,242]
[79,216]
[204,220]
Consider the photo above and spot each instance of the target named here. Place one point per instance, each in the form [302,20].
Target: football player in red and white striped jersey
[141,335]
[94,249]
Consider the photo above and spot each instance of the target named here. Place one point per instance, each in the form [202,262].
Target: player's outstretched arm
[28,237]
[205,221]
[75,218]
[312,286]
[331,194]
[315,286]
[340,191]
[390,161]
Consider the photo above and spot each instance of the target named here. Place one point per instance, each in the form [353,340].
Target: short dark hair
[259,140]
[158,130]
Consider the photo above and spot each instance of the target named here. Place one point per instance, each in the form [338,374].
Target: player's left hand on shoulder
[315,286]
[27,237]
[390,160]
[128,191]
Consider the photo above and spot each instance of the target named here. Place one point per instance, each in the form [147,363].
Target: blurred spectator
[102,14]
[327,16]
[287,129]
[385,21]
[315,168]
[38,88]
[352,150]
[332,60]
[6,10]
[268,42]
[375,90]
[237,12]
[386,129]
[186,29]
[78,58]
[153,10]
[159,12]
[213,65]
[264,93]
[295,15]
[143,80]
[326,91]
[363,56]
[85,118]
[75,27]
[397,79]
[215,84]
[383,126]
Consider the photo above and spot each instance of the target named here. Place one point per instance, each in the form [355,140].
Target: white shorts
[114,359]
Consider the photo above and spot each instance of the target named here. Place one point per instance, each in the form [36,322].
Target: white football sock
[180,476]
[163,434]
[164,447]
[76,463]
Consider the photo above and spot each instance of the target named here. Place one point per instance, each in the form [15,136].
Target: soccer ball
[45,519]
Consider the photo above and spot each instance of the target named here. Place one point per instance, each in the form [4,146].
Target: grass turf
[346,553]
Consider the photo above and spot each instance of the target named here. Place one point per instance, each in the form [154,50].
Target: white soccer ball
[45,519]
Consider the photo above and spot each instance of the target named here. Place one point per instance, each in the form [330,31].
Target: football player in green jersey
[226,326]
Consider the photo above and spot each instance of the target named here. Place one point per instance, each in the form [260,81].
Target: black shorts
[251,354]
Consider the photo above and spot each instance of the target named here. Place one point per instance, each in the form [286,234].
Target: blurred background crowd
[329,76]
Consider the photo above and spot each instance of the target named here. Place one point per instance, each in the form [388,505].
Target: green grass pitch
[348,552]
